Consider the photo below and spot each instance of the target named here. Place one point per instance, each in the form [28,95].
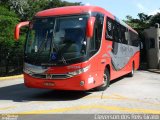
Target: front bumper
[74,83]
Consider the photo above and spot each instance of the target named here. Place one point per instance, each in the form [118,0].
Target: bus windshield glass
[56,39]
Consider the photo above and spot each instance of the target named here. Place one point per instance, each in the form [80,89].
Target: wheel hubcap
[104,81]
[132,71]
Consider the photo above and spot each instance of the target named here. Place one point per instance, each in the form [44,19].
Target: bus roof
[69,10]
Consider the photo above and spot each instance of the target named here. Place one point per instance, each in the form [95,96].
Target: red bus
[77,48]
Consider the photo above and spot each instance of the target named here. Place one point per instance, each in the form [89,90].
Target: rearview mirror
[90,26]
[18,27]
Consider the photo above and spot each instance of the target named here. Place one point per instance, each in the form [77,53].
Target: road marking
[119,97]
[112,97]
[97,96]
[135,100]
[11,77]
[22,104]
[93,106]
[6,108]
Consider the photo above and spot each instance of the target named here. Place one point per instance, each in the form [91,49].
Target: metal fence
[11,64]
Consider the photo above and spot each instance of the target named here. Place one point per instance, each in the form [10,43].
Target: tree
[8,20]
[9,48]
[144,18]
[39,5]
[155,19]
[141,23]
[25,9]
[19,6]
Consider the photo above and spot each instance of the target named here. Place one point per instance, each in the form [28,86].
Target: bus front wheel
[106,80]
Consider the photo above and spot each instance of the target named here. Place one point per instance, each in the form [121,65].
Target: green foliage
[8,47]
[38,5]
[143,21]
[8,20]
[155,19]
[26,9]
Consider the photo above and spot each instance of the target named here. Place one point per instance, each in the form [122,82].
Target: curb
[11,77]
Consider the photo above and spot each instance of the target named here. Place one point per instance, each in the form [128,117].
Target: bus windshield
[56,39]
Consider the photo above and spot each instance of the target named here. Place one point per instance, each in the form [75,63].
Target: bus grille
[51,76]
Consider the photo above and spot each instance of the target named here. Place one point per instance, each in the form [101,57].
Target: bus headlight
[79,71]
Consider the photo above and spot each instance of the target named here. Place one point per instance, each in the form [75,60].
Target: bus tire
[106,81]
[131,74]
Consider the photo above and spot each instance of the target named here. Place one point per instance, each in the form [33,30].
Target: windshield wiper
[58,51]
[41,47]
[42,44]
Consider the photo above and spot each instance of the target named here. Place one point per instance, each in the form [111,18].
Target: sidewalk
[11,77]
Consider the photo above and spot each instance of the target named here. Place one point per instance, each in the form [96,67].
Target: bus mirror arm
[90,27]
[18,27]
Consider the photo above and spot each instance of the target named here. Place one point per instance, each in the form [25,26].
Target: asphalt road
[139,94]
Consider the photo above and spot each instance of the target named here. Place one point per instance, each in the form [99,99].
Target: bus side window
[117,32]
[109,29]
[123,31]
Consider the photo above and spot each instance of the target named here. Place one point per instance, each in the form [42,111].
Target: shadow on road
[19,93]
[117,80]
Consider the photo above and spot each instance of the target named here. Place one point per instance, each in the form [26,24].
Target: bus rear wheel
[131,74]
[106,81]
